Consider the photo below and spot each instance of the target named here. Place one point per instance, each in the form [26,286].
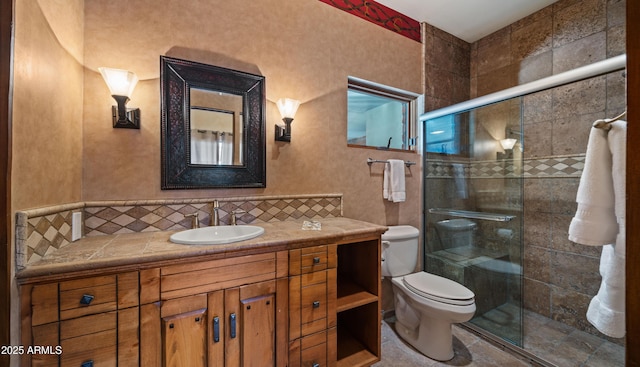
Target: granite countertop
[149,249]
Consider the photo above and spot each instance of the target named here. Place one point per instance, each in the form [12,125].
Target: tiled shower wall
[42,231]
[560,276]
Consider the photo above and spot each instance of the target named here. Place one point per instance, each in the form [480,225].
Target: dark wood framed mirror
[213,130]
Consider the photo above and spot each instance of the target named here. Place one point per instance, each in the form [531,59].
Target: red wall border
[381,15]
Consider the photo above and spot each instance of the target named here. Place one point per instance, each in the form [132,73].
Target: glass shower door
[473,210]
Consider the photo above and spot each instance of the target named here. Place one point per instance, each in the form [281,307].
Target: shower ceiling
[469,20]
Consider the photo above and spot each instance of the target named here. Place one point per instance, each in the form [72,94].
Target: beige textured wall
[305,49]
[47,104]
[46,134]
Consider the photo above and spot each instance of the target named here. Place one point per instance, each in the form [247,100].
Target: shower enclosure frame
[589,71]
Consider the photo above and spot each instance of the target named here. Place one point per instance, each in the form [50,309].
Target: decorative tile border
[540,167]
[42,231]
[381,15]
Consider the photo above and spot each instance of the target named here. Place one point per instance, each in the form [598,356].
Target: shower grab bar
[473,215]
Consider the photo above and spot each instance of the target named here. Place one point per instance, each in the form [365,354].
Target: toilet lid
[438,288]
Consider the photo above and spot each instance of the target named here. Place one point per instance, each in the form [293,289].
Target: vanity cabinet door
[185,339]
[232,327]
[231,320]
[251,325]
[183,328]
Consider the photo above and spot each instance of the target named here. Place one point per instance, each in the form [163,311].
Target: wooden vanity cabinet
[230,312]
[313,306]
[82,322]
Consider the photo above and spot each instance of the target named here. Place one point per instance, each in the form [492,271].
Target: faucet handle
[195,223]
[234,219]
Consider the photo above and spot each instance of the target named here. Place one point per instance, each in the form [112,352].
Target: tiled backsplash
[42,231]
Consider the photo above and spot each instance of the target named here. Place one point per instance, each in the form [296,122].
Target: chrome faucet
[214,217]
[195,223]
[234,214]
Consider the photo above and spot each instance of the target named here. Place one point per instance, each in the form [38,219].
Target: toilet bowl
[426,305]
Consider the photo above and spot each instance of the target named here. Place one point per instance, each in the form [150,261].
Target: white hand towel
[607,309]
[460,180]
[595,223]
[386,177]
[397,192]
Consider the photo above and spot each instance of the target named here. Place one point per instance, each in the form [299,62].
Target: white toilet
[425,304]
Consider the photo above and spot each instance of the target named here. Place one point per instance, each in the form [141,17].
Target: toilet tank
[456,232]
[399,250]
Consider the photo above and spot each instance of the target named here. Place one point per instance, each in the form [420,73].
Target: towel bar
[371,161]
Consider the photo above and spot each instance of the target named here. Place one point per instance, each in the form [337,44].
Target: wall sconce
[121,84]
[287,108]
[507,145]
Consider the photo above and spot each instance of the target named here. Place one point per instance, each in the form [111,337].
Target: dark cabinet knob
[316,304]
[86,300]
[316,260]
[88,363]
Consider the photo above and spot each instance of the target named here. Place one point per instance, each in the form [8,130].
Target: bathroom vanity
[287,298]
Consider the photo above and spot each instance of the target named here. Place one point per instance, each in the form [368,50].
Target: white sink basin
[216,235]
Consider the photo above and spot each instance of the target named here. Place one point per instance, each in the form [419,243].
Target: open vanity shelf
[358,304]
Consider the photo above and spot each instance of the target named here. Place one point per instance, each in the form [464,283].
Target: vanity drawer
[98,350]
[89,339]
[313,302]
[208,276]
[311,259]
[309,351]
[315,356]
[87,296]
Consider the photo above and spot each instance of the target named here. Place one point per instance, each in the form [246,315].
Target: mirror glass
[212,126]
[216,128]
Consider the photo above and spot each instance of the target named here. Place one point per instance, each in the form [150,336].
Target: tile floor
[558,343]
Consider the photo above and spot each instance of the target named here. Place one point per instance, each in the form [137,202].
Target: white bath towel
[595,223]
[607,309]
[393,181]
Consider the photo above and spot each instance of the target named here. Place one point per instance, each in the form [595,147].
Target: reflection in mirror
[216,128]
[443,135]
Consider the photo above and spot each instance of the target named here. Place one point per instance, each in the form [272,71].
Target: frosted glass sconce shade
[507,144]
[287,108]
[121,84]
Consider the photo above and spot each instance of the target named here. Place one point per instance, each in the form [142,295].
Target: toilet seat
[438,289]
